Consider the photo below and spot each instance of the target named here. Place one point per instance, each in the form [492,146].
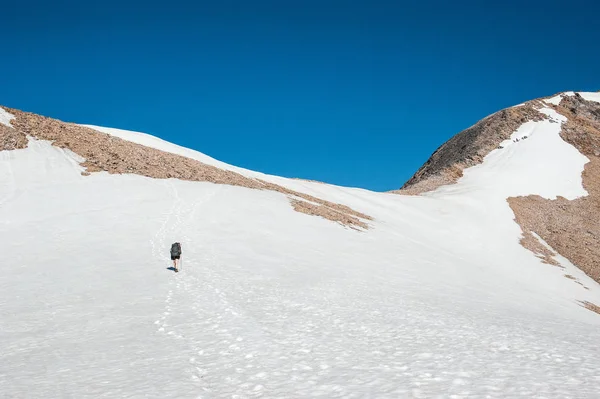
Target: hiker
[175,255]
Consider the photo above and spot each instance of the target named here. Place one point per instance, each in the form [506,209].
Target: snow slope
[591,96]
[5,117]
[437,299]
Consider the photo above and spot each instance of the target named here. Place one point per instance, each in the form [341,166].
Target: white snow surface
[437,299]
[5,117]
[591,96]
[554,100]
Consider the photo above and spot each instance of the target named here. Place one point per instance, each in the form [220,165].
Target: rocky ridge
[468,148]
[103,152]
[570,228]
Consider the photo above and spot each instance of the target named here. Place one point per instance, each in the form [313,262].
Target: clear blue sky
[355,93]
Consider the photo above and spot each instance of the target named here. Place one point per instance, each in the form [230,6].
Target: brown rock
[11,139]
[571,227]
[591,306]
[468,148]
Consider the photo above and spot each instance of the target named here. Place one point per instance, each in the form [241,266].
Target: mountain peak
[567,225]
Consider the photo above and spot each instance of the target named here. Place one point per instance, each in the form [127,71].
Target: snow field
[438,299]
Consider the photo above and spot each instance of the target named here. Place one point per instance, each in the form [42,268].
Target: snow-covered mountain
[475,287]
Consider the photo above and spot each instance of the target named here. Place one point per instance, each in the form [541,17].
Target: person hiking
[176,255]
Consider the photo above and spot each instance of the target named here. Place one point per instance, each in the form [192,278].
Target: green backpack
[176,249]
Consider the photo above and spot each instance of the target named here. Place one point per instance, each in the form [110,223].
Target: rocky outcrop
[571,227]
[591,306]
[311,205]
[11,139]
[468,148]
[103,152]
